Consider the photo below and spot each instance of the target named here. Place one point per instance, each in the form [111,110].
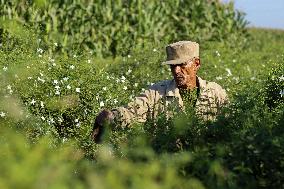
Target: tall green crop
[113,27]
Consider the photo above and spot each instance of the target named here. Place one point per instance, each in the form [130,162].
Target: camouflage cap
[180,52]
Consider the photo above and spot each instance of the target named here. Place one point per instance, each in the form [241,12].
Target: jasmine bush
[48,103]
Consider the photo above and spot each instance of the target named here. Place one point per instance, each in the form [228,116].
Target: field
[53,86]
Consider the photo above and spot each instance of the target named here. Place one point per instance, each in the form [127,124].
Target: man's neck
[191,86]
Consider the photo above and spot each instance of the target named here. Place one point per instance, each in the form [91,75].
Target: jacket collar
[172,89]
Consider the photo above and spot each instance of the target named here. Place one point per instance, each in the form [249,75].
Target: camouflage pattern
[165,97]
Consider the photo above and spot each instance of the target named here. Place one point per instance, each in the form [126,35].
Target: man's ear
[197,63]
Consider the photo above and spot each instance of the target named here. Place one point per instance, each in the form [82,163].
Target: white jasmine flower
[64,139]
[123,78]
[33,102]
[229,72]
[53,64]
[57,87]
[282,93]
[60,120]
[68,87]
[57,92]
[51,120]
[76,120]
[130,97]
[236,78]
[89,61]
[128,56]
[42,80]
[135,84]
[115,101]
[11,91]
[40,55]
[41,104]
[5,68]
[2,114]
[281,78]
[125,88]
[217,53]
[65,78]
[102,104]
[74,56]
[154,50]
[29,77]
[43,118]
[72,67]
[104,88]
[77,90]
[55,82]
[39,50]
[55,44]
[9,87]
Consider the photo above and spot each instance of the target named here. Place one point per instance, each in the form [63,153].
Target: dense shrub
[48,103]
[113,27]
[46,124]
[274,91]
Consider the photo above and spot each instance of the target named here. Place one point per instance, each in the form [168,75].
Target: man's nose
[176,69]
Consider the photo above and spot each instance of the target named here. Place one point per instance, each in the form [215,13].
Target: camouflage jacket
[165,97]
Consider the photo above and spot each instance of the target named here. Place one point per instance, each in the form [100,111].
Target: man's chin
[181,84]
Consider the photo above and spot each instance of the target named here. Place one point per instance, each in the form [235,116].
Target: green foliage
[113,27]
[46,133]
[48,103]
[274,90]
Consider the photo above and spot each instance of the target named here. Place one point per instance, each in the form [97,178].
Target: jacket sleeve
[222,98]
[136,111]
[213,100]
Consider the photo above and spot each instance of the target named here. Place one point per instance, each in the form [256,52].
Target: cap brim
[176,61]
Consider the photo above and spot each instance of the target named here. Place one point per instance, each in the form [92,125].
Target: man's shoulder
[162,86]
[163,83]
[212,87]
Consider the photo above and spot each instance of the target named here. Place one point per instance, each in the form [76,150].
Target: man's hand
[104,117]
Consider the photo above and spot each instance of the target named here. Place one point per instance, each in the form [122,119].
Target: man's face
[185,74]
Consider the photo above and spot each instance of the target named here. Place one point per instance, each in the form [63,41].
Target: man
[185,90]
